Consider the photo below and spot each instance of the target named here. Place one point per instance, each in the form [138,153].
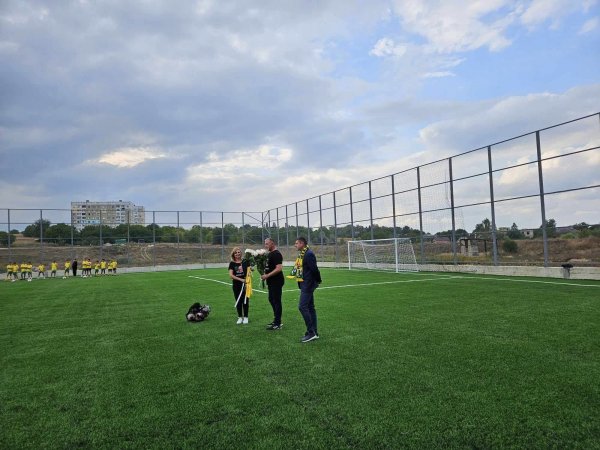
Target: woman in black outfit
[237,272]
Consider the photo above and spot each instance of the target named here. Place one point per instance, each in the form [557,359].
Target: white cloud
[554,11]
[129,157]
[453,26]
[387,47]
[441,74]
[590,25]
[237,165]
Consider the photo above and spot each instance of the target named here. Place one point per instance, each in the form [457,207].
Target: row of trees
[63,234]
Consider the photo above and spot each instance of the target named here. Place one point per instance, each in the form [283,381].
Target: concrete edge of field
[575,273]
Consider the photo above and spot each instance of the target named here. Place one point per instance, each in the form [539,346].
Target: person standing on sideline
[237,272]
[53,269]
[309,278]
[275,281]
[74,267]
[67,268]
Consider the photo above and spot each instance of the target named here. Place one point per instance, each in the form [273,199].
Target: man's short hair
[271,239]
[303,240]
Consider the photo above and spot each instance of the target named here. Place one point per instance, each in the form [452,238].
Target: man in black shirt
[275,280]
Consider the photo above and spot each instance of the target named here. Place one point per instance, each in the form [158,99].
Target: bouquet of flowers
[257,258]
[249,257]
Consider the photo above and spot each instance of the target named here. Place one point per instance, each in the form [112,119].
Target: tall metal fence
[530,200]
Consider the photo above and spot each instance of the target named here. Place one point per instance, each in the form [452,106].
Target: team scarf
[297,269]
[248,282]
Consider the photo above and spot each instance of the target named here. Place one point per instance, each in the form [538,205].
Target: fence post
[493,208]
[222,236]
[452,212]
[41,236]
[351,215]
[542,199]
[277,223]
[201,242]
[321,222]
[335,247]
[393,207]
[297,230]
[287,231]
[154,239]
[72,237]
[371,211]
[10,257]
[420,214]
[307,221]
[100,237]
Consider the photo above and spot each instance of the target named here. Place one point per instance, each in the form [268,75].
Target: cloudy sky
[236,105]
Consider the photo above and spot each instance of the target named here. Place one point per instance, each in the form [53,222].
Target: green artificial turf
[404,360]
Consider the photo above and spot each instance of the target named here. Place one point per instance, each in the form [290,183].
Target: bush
[510,246]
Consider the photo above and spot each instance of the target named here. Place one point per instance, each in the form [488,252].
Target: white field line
[438,277]
[376,283]
[223,282]
[560,283]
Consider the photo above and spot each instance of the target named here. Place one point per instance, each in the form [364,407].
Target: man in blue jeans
[309,278]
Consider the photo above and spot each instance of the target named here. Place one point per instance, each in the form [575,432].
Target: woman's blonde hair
[235,249]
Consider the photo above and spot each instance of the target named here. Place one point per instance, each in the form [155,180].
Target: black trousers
[243,305]
[275,301]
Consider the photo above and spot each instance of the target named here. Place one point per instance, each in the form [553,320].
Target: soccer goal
[382,254]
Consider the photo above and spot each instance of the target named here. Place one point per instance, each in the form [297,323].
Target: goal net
[382,254]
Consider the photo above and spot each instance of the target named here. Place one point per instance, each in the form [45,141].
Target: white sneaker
[245,321]
[240,321]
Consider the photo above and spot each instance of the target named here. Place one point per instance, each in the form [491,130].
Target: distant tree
[253,235]
[581,226]
[153,231]
[33,230]
[514,232]
[4,237]
[550,229]
[231,233]
[170,234]
[193,234]
[139,232]
[484,227]
[60,233]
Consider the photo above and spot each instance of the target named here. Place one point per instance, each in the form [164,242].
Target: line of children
[24,271]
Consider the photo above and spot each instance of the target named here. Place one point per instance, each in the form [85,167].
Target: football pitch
[410,360]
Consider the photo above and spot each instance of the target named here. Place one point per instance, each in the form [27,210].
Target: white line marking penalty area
[223,282]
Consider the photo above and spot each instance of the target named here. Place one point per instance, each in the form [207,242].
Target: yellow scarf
[297,269]
[249,282]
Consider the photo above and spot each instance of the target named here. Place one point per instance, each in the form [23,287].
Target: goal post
[396,254]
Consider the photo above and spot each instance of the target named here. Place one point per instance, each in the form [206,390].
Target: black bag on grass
[197,312]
